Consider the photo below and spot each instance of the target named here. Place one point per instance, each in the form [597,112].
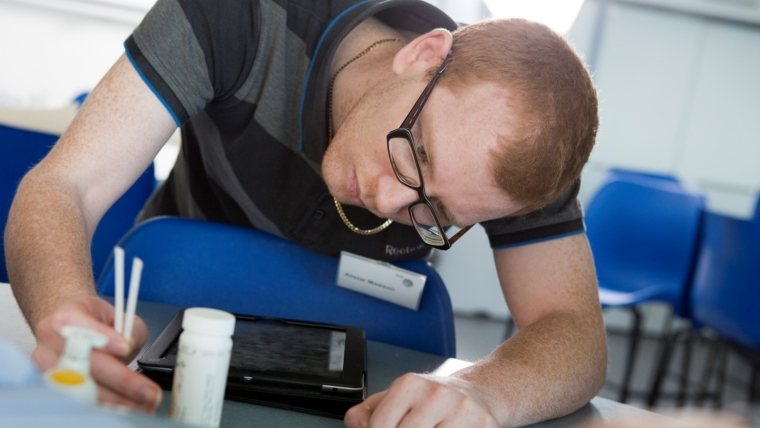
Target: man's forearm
[549,369]
[47,246]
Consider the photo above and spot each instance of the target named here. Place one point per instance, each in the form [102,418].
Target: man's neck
[354,81]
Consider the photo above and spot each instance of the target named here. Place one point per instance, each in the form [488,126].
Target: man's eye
[421,153]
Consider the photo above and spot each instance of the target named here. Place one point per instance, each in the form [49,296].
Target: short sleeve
[561,218]
[193,52]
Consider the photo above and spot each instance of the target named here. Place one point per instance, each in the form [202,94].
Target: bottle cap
[208,322]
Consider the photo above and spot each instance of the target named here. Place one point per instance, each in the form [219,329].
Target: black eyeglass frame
[404,131]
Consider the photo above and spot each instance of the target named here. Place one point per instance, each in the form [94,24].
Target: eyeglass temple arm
[459,234]
[417,108]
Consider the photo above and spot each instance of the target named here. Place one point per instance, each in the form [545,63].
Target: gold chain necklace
[330,132]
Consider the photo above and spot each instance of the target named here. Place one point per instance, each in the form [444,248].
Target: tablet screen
[271,346]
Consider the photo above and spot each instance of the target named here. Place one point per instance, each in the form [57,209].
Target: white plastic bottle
[203,360]
[72,373]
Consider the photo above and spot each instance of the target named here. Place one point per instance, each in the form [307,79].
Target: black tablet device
[312,367]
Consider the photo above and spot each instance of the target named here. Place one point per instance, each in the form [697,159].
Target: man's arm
[557,361]
[555,364]
[59,203]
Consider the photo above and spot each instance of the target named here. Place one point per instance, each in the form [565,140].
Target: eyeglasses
[406,165]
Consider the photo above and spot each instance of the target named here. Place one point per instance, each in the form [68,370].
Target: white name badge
[381,280]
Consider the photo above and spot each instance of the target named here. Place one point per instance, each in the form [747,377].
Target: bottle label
[200,378]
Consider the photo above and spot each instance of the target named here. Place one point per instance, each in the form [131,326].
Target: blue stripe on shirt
[155,92]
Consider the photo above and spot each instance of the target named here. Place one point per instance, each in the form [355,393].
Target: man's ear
[427,50]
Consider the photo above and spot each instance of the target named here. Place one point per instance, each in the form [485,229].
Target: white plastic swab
[118,292]
[134,290]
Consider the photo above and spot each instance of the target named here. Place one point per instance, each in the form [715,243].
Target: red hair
[553,101]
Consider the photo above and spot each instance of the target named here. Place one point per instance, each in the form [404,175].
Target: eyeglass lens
[425,223]
[407,172]
[403,159]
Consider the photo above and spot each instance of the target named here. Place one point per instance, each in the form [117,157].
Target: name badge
[381,280]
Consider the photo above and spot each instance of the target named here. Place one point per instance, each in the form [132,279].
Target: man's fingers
[139,335]
[358,416]
[82,317]
[108,396]
[112,374]
[404,394]
[119,384]
[428,413]
[44,357]
[105,312]
[130,386]
[446,407]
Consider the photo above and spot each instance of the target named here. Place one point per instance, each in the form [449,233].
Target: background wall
[49,56]
[679,94]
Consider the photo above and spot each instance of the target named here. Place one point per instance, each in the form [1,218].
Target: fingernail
[152,395]
[159,398]
[121,346]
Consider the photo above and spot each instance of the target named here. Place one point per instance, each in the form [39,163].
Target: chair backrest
[726,290]
[195,263]
[644,231]
[661,181]
[21,149]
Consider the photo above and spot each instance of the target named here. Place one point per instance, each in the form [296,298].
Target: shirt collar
[413,15]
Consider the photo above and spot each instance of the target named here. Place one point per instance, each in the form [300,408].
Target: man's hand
[420,401]
[117,384]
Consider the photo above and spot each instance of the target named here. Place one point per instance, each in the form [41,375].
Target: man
[503,117]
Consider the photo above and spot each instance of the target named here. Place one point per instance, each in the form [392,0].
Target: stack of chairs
[643,230]
[725,304]
[653,241]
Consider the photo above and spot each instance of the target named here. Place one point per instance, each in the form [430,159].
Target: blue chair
[240,270]
[643,231]
[726,293]
[21,149]
[726,290]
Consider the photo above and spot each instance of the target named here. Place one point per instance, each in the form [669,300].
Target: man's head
[507,128]
[552,99]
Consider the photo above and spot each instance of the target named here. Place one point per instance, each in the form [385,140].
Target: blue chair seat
[196,263]
[613,298]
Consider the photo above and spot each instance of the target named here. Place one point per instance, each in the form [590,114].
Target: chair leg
[662,342]
[630,364]
[721,381]
[752,397]
[701,394]
[666,351]
[686,363]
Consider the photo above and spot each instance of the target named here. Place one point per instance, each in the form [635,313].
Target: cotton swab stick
[118,301]
[134,290]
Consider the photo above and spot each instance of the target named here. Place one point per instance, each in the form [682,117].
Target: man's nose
[392,196]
